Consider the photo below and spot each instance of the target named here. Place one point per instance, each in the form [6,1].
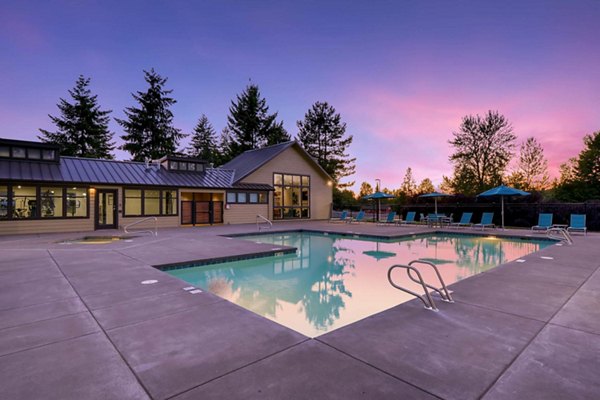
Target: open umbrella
[378,196]
[379,254]
[503,191]
[435,196]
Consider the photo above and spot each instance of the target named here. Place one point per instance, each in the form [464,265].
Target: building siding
[244,213]
[293,161]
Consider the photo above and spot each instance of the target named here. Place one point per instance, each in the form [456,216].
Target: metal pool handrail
[559,233]
[266,221]
[426,298]
[445,295]
[153,233]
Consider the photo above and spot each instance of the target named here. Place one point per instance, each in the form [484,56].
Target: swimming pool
[335,280]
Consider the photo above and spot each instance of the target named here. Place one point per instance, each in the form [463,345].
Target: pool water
[335,280]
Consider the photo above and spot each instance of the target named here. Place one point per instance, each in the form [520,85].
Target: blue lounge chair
[410,218]
[390,218]
[544,222]
[359,217]
[465,220]
[577,223]
[486,221]
[343,217]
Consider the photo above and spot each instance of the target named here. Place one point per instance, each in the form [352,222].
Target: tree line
[483,149]
[82,129]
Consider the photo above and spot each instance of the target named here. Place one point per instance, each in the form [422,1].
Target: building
[41,191]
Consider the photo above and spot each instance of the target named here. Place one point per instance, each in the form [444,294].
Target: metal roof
[251,160]
[110,172]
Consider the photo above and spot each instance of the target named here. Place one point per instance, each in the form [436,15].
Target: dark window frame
[247,193]
[300,207]
[38,189]
[161,195]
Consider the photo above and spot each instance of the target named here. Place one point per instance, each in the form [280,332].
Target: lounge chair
[486,221]
[465,220]
[410,218]
[343,217]
[577,224]
[359,217]
[389,220]
[544,222]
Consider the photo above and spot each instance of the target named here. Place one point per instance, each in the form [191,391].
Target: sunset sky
[401,73]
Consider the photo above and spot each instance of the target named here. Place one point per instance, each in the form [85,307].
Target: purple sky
[401,73]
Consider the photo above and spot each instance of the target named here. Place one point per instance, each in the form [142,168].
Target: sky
[402,74]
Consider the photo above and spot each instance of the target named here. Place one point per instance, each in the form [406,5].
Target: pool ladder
[558,233]
[266,223]
[426,298]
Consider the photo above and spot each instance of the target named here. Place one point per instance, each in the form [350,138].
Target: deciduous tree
[531,172]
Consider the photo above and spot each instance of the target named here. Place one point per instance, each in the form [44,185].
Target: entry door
[106,209]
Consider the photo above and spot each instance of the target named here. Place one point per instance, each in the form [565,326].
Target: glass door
[106,209]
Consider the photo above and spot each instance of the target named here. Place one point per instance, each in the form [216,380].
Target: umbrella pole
[502,201]
[435,201]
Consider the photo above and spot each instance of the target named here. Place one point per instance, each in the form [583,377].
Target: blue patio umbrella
[435,196]
[378,196]
[503,191]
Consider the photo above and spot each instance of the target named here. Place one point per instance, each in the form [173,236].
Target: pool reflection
[334,280]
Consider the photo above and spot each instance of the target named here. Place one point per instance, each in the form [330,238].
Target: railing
[426,298]
[151,232]
[559,233]
[266,223]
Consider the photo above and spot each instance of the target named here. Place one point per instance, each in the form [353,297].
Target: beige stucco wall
[294,161]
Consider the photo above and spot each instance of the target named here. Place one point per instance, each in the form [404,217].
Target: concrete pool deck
[76,322]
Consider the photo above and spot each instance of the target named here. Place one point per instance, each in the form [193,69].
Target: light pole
[377,190]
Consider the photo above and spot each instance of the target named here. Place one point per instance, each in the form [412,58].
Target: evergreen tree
[323,135]
[150,130]
[409,186]
[483,149]
[204,142]
[82,128]
[226,146]
[250,124]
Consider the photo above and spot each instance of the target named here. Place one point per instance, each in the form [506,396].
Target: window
[247,198]
[34,154]
[25,204]
[48,155]
[291,198]
[3,202]
[133,202]
[174,165]
[42,202]
[51,202]
[18,152]
[77,202]
[149,202]
[4,151]
[169,202]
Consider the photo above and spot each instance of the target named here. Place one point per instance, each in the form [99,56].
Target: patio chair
[544,222]
[410,218]
[577,224]
[389,220]
[342,218]
[465,220]
[359,217]
[486,221]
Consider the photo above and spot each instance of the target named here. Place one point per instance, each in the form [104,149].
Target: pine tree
[409,186]
[204,142]
[250,123]
[226,146]
[150,130]
[82,128]
[323,136]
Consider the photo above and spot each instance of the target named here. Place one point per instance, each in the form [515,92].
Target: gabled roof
[251,160]
[110,172]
